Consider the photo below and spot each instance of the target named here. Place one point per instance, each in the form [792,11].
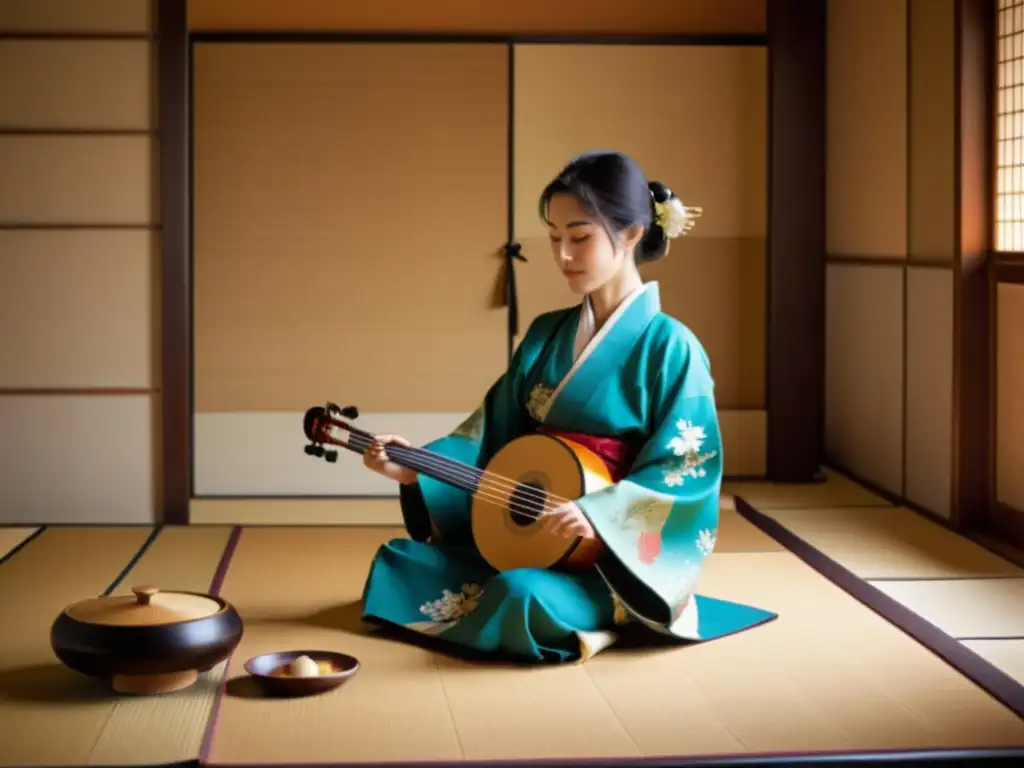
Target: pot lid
[147,606]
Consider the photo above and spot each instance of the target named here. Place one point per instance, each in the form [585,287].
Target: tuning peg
[331,456]
[319,451]
[310,450]
[349,411]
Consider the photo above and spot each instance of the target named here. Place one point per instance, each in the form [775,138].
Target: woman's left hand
[569,521]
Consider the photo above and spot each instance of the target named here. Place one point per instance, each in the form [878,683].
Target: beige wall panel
[569,16]
[867,128]
[707,141]
[932,98]
[77,180]
[77,15]
[77,309]
[714,157]
[350,204]
[88,84]
[744,442]
[1009,402]
[717,288]
[929,403]
[77,459]
[864,372]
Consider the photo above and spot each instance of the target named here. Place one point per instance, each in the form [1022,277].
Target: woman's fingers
[562,522]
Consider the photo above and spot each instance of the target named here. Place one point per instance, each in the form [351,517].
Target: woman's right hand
[376,458]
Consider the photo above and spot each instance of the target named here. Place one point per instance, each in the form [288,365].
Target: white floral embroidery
[690,439]
[445,612]
[706,541]
[539,396]
[687,447]
[647,515]
[452,606]
[472,427]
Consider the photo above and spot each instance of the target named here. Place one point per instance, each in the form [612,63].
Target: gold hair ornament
[674,218]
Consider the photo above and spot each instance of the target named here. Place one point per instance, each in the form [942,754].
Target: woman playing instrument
[618,376]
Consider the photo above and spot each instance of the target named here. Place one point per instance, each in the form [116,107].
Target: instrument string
[489,485]
[466,473]
[475,479]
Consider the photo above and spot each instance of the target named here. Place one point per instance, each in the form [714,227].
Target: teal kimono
[643,378]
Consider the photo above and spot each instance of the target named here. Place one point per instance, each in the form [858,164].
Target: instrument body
[505,532]
[529,476]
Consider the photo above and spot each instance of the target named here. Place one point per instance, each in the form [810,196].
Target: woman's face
[582,249]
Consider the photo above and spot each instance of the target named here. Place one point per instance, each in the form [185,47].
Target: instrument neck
[457,474]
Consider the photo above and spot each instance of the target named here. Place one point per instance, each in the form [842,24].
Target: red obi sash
[618,455]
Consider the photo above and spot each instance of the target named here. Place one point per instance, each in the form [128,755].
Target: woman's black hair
[611,187]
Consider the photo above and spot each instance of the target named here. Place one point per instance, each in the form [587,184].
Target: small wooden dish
[266,671]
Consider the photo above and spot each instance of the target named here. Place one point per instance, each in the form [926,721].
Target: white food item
[304,666]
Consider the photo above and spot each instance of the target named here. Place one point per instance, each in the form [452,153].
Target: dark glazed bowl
[262,668]
[147,658]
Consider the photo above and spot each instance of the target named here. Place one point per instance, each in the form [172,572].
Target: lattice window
[1010,127]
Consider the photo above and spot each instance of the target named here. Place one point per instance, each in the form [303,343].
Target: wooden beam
[175,429]
[797,60]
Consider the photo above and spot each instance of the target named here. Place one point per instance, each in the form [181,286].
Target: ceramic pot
[148,642]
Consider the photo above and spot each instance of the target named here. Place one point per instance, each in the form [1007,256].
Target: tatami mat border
[981,672]
[944,758]
[134,561]
[24,543]
[937,757]
[225,561]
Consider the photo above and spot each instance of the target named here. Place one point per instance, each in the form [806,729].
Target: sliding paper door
[349,205]
[694,117]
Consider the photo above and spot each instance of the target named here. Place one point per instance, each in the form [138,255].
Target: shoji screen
[1009,348]
[79,346]
[695,118]
[350,204]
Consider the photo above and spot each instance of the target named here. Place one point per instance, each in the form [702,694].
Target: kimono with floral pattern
[643,378]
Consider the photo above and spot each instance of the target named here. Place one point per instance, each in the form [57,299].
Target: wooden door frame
[980,270]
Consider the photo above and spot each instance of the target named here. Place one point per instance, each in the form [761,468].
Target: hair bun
[655,243]
[660,192]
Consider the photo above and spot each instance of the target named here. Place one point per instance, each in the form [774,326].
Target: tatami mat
[393,709]
[53,716]
[828,674]
[835,491]
[11,538]
[965,608]
[891,542]
[354,511]
[1007,655]
[735,534]
[167,729]
[50,715]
